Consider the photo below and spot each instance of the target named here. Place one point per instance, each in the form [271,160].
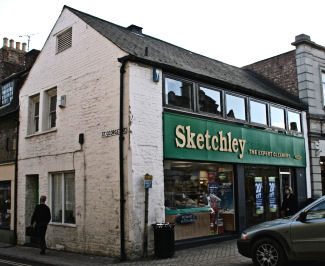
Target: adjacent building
[104,106]
[302,72]
[14,66]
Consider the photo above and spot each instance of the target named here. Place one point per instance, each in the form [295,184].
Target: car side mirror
[302,217]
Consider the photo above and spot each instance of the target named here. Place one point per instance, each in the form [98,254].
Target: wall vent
[64,40]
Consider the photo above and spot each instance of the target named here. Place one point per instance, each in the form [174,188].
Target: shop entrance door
[286,180]
[262,194]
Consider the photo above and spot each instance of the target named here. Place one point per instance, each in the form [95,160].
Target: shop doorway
[286,180]
[262,185]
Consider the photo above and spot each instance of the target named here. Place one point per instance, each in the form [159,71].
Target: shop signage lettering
[193,138]
[269,153]
[219,142]
[186,218]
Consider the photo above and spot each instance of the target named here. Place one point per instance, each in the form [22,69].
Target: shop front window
[199,198]
[5,204]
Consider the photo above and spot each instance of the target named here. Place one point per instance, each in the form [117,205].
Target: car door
[308,237]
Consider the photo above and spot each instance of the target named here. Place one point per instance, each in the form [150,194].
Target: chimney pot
[24,47]
[18,45]
[12,43]
[5,42]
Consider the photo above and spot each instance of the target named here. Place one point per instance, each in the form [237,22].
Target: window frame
[300,120]
[322,74]
[284,117]
[193,100]
[197,89]
[267,114]
[33,100]
[63,173]
[226,104]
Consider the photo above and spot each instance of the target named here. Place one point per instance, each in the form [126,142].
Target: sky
[236,32]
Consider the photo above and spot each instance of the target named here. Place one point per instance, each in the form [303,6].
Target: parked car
[299,237]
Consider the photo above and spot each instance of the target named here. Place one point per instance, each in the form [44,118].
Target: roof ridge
[149,36]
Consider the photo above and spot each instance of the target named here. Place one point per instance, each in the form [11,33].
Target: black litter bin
[164,240]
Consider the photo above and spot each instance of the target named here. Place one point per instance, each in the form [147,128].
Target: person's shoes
[42,252]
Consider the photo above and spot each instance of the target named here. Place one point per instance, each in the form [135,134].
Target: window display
[5,204]
[205,190]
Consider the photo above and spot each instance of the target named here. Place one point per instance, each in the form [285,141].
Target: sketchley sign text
[218,142]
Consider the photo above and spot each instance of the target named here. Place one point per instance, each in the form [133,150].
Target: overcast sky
[237,32]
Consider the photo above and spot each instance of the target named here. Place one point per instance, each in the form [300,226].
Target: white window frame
[32,115]
[62,196]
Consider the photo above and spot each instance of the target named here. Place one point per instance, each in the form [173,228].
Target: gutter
[121,161]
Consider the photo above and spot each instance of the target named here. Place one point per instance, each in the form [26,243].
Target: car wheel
[267,252]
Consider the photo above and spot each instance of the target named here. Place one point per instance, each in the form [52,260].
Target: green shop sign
[194,138]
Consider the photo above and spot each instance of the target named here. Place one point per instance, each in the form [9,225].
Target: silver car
[299,237]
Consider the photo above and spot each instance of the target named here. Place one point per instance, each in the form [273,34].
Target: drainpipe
[16,183]
[121,139]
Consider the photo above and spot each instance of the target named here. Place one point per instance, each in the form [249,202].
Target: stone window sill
[41,133]
[64,225]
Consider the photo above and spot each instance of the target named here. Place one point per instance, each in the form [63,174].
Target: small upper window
[64,40]
[277,117]
[178,93]
[7,93]
[258,112]
[294,121]
[209,101]
[235,107]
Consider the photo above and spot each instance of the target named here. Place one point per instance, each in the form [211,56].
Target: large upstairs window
[323,85]
[235,107]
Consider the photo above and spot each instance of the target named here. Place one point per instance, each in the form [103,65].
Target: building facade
[13,72]
[301,72]
[104,106]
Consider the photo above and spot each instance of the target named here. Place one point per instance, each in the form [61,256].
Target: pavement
[220,254]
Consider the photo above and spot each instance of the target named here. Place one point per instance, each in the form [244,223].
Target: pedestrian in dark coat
[289,204]
[41,216]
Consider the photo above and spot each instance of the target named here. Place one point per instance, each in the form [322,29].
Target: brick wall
[281,69]
[11,60]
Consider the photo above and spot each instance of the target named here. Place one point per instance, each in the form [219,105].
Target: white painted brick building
[73,94]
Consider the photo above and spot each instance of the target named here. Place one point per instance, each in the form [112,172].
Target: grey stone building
[302,72]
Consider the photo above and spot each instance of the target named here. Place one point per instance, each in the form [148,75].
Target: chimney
[135,29]
[302,37]
[24,47]
[17,45]
[5,42]
[12,43]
